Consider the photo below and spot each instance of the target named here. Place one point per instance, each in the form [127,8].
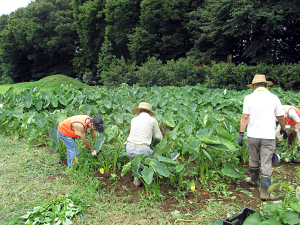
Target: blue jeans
[133,151]
[71,148]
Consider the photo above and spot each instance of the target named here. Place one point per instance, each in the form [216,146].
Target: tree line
[86,38]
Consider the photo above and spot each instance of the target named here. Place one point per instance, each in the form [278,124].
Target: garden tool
[276,158]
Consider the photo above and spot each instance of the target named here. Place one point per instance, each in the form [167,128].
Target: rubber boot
[137,181]
[254,176]
[265,184]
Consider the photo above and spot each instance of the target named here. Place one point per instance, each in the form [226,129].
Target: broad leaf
[18,112]
[27,101]
[169,120]
[147,174]
[231,171]
[99,142]
[291,218]
[38,103]
[136,162]
[126,168]
[118,118]
[53,133]
[224,133]
[40,120]
[188,130]
[209,140]
[166,160]
[160,168]
[179,168]
[254,218]
[62,100]
[159,147]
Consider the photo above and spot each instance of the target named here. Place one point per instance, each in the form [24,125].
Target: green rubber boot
[254,176]
[264,186]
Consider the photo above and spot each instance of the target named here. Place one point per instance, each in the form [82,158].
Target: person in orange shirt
[292,120]
[77,126]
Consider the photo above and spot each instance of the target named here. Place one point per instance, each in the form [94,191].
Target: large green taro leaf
[209,139]
[27,101]
[169,120]
[40,120]
[231,171]
[99,142]
[166,160]
[147,174]
[160,168]
[126,168]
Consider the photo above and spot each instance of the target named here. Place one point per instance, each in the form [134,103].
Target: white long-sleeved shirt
[143,128]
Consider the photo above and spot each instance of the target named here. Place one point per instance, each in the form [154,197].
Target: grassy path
[30,178]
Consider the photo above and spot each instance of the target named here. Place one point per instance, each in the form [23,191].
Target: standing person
[76,126]
[142,129]
[260,110]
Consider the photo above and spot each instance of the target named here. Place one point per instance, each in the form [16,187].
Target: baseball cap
[98,124]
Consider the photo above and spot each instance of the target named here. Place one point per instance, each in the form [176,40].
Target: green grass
[31,178]
[47,83]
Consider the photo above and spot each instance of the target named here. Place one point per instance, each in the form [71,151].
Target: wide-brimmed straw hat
[143,105]
[260,78]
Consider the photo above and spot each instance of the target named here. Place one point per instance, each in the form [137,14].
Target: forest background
[153,42]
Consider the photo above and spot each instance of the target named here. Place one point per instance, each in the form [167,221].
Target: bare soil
[123,187]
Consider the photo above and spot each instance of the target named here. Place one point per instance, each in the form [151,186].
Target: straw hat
[143,105]
[260,78]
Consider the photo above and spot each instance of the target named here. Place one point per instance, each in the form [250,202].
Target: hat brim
[136,111]
[269,83]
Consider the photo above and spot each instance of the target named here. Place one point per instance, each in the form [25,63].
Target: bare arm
[244,122]
[84,141]
[94,135]
[281,121]
[298,126]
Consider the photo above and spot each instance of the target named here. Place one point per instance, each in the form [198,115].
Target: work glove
[240,139]
[285,136]
[94,153]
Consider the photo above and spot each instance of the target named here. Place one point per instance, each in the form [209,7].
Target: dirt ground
[243,194]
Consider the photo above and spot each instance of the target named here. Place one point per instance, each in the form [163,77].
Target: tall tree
[39,40]
[162,31]
[249,31]
[90,23]
[122,16]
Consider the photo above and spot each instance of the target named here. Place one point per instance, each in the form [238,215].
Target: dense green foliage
[187,71]
[38,41]
[201,124]
[77,37]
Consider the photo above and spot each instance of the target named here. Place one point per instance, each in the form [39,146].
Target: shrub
[119,72]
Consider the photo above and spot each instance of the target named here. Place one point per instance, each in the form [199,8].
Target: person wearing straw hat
[143,128]
[260,110]
[77,126]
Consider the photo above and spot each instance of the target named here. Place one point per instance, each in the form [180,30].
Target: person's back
[262,107]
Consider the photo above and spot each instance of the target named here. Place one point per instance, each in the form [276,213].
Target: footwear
[264,188]
[276,158]
[137,182]
[254,176]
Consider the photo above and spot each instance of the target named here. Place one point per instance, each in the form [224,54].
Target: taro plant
[56,211]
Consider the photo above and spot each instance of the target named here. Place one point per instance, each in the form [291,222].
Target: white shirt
[293,115]
[262,107]
[143,128]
